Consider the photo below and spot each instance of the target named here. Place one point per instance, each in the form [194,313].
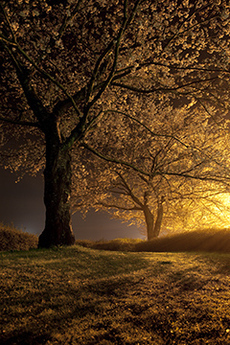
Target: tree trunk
[153,230]
[149,220]
[57,179]
[160,211]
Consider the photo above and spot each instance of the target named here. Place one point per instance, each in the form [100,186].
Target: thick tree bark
[160,211]
[153,228]
[149,220]
[57,179]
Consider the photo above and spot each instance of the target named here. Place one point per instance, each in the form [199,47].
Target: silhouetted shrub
[14,239]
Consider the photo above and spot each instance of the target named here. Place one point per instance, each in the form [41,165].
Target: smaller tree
[179,206]
[179,171]
[126,202]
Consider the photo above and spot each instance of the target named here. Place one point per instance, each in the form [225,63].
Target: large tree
[69,66]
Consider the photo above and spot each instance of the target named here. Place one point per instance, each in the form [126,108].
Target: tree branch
[125,24]
[96,69]
[129,190]
[113,160]
[217,178]
[8,24]
[33,101]
[147,128]
[134,208]
[33,63]
[48,76]
[161,89]
[203,69]
[7,40]
[67,20]
[21,123]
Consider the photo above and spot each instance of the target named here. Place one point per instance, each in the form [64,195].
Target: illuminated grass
[206,240]
[82,296]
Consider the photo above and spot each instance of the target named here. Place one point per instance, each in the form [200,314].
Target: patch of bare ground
[82,296]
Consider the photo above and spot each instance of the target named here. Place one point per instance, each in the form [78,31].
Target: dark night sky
[22,204]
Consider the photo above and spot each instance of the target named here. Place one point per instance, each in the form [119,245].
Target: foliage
[75,73]
[14,239]
[97,297]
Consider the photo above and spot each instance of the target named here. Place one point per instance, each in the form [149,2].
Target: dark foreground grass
[83,296]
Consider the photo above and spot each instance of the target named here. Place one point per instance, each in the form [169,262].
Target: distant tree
[69,67]
[184,173]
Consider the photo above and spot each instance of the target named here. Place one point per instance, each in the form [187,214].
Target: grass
[12,238]
[79,295]
[118,244]
[210,240]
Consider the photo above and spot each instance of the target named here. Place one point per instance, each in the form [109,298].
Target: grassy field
[79,295]
[206,240]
